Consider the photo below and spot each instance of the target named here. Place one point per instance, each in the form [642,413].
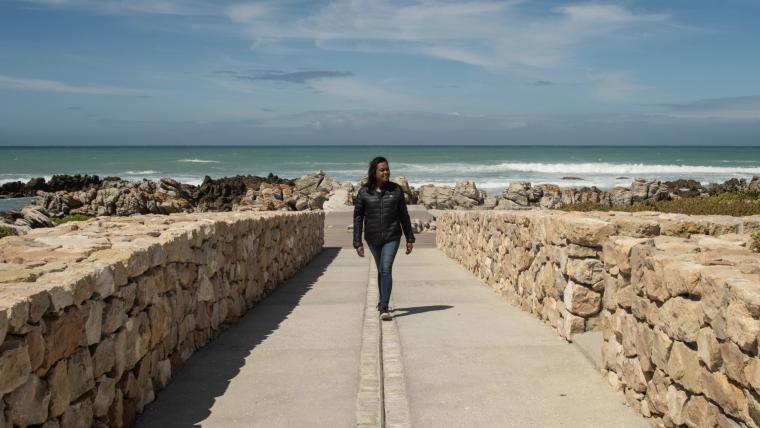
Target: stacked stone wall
[677,299]
[96,317]
[682,337]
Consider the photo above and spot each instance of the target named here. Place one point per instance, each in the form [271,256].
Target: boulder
[436,197]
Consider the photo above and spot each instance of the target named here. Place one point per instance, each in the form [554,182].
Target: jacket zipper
[381,215]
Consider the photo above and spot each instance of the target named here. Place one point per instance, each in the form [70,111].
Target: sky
[116,72]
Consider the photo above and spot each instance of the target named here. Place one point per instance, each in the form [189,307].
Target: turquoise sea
[491,167]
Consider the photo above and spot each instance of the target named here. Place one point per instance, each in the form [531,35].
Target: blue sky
[379,71]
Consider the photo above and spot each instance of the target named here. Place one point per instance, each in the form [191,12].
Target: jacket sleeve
[406,222]
[358,220]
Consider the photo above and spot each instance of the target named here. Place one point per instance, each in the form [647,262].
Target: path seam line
[370,409]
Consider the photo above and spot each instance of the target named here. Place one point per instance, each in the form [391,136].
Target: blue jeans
[384,255]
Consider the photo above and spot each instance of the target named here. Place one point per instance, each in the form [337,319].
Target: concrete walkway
[472,359]
[292,361]
[456,354]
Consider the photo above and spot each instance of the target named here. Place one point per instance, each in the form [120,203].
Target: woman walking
[380,209]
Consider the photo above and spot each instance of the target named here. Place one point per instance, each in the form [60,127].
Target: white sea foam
[198,161]
[23,179]
[146,172]
[577,168]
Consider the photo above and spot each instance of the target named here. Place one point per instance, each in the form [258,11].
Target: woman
[380,210]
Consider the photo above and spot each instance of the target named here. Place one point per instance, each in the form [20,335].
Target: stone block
[708,348]
[676,401]
[585,271]
[63,336]
[15,365]
[114,315]
[682,278]
[585,231]
[580,300]
[633,376]
[741,326]
[719,389]
[78,415]
[644,343]
[661,346]
[681,319]
[60,393]
[93,321]
[106,391]
[657,392]
[28,404]
[36,344]
[617,252]
[684,368]
[699,412]
[734,361]
[80,374]
[104,357]
[752,373]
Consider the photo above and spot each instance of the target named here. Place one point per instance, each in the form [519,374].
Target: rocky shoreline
[91,196]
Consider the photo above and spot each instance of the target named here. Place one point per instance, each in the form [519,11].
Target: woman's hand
[360,251]
[409,247]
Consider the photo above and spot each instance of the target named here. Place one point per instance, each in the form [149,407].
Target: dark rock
[732,185]
[685,188]
[221,194]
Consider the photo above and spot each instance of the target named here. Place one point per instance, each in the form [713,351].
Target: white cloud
[161,7]
[243,12]
[614,86]
[490,34]
[40,85]
[607,13]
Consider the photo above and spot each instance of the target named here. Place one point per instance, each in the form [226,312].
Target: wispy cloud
[607,13]
[368,94]
[41,85]
[162,7]
[506,35]
[614,86]
[735,108]
[300,77]
[495,35]
[370,119]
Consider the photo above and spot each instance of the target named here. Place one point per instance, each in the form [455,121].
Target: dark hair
[371,179]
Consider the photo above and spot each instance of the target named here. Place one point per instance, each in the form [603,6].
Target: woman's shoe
[385,315]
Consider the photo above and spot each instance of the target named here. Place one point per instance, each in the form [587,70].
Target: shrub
[755,245]
[71,217]
[4,231]
[734,204]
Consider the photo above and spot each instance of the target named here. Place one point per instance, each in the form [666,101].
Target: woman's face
[383,172]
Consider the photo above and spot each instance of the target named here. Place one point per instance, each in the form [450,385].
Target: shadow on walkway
[420,310]
[189,397]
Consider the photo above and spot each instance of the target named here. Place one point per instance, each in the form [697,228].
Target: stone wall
[95,317]
[682,337]
[676,297]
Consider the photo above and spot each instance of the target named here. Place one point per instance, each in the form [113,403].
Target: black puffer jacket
[382,215]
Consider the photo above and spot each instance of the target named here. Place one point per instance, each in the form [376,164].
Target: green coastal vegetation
[4,231]
[734,204]
[71,217]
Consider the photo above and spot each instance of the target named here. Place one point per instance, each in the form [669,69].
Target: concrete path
[456,354]
[292,361]
[472,359]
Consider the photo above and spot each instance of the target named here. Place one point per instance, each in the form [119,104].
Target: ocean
[491,167]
